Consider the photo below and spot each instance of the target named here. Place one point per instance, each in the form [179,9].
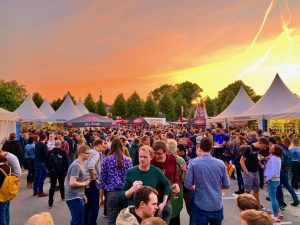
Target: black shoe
[295,203]
[268,199]
[239,192]
[283,206]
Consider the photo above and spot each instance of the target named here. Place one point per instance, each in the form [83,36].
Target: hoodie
[125,217]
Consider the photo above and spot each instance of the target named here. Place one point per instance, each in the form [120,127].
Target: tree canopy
[101,107]
[37,99]
[119,106]
[90,103]
[134,105]
[12,94]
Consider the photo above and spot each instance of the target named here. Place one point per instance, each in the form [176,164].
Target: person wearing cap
[57,165]
[41,151]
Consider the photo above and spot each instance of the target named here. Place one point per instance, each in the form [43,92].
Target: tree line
[166,100]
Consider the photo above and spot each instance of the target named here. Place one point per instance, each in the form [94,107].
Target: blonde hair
[171,146]
[254,217]
[83,149]
[153,221]
[43,218]
[295,142]
[147,149]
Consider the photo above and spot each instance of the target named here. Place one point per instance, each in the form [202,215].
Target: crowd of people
[145,175]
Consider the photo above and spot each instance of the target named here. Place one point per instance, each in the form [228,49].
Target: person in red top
[64,145]
[167,163]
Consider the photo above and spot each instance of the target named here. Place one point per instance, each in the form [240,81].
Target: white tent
[289,113]
[81,107]
[29,112]
[277,98]
[65,112]
[7,123]
[46,108]
[240,104]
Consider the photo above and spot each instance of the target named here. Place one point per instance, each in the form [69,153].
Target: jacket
[126,218]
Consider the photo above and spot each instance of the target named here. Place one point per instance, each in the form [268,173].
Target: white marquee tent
[240,104]
[65,112]
[7,123]
[277,98]
[81,107]
[289,113]
[29,112]
[46,108]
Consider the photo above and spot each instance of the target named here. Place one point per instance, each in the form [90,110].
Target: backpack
[10,186]
[56,164]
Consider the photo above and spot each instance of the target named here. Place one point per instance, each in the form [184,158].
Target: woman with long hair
[112,176]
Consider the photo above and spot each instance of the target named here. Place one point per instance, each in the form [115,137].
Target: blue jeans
[76,208]
[91,209]
[284,180]
[4,213]
[202,217]
[272,189]
[39,178]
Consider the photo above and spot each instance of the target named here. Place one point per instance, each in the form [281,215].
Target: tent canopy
[240,104]
[65,112]
[8,116]
[289,113]
[28,111]
[277,98]
[90,120]
[46,108]
[139,121]
[81,107]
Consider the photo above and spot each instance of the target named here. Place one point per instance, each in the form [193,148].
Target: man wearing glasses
[75,185]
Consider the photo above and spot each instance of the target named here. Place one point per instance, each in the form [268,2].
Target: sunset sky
[120,46]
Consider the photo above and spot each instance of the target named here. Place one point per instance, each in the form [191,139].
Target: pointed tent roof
[8,116]
[65,112]
[277,98]
[292,112]
[28,111]
[46,108]
[240,104]
[81,107]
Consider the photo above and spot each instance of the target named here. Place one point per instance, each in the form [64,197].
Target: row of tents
[277,103]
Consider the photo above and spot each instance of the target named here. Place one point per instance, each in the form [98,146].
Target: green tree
[189,91]
[150,107]
[158,93]
[101,108]
[167,106]
[72,97]
[210,107]
[256,98]
[37,99]
[119,106]
[180,101]
[12,94]
[134,105]
[56,103]
[90,103]
[222,101]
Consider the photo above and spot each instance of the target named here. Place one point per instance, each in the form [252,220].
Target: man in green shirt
[145,174]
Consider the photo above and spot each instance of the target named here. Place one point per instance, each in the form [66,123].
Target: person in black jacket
[13,146]
[41,151]
[57,165]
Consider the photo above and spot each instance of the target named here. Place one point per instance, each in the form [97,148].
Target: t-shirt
[153,178]
[75,170]
[251,153]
